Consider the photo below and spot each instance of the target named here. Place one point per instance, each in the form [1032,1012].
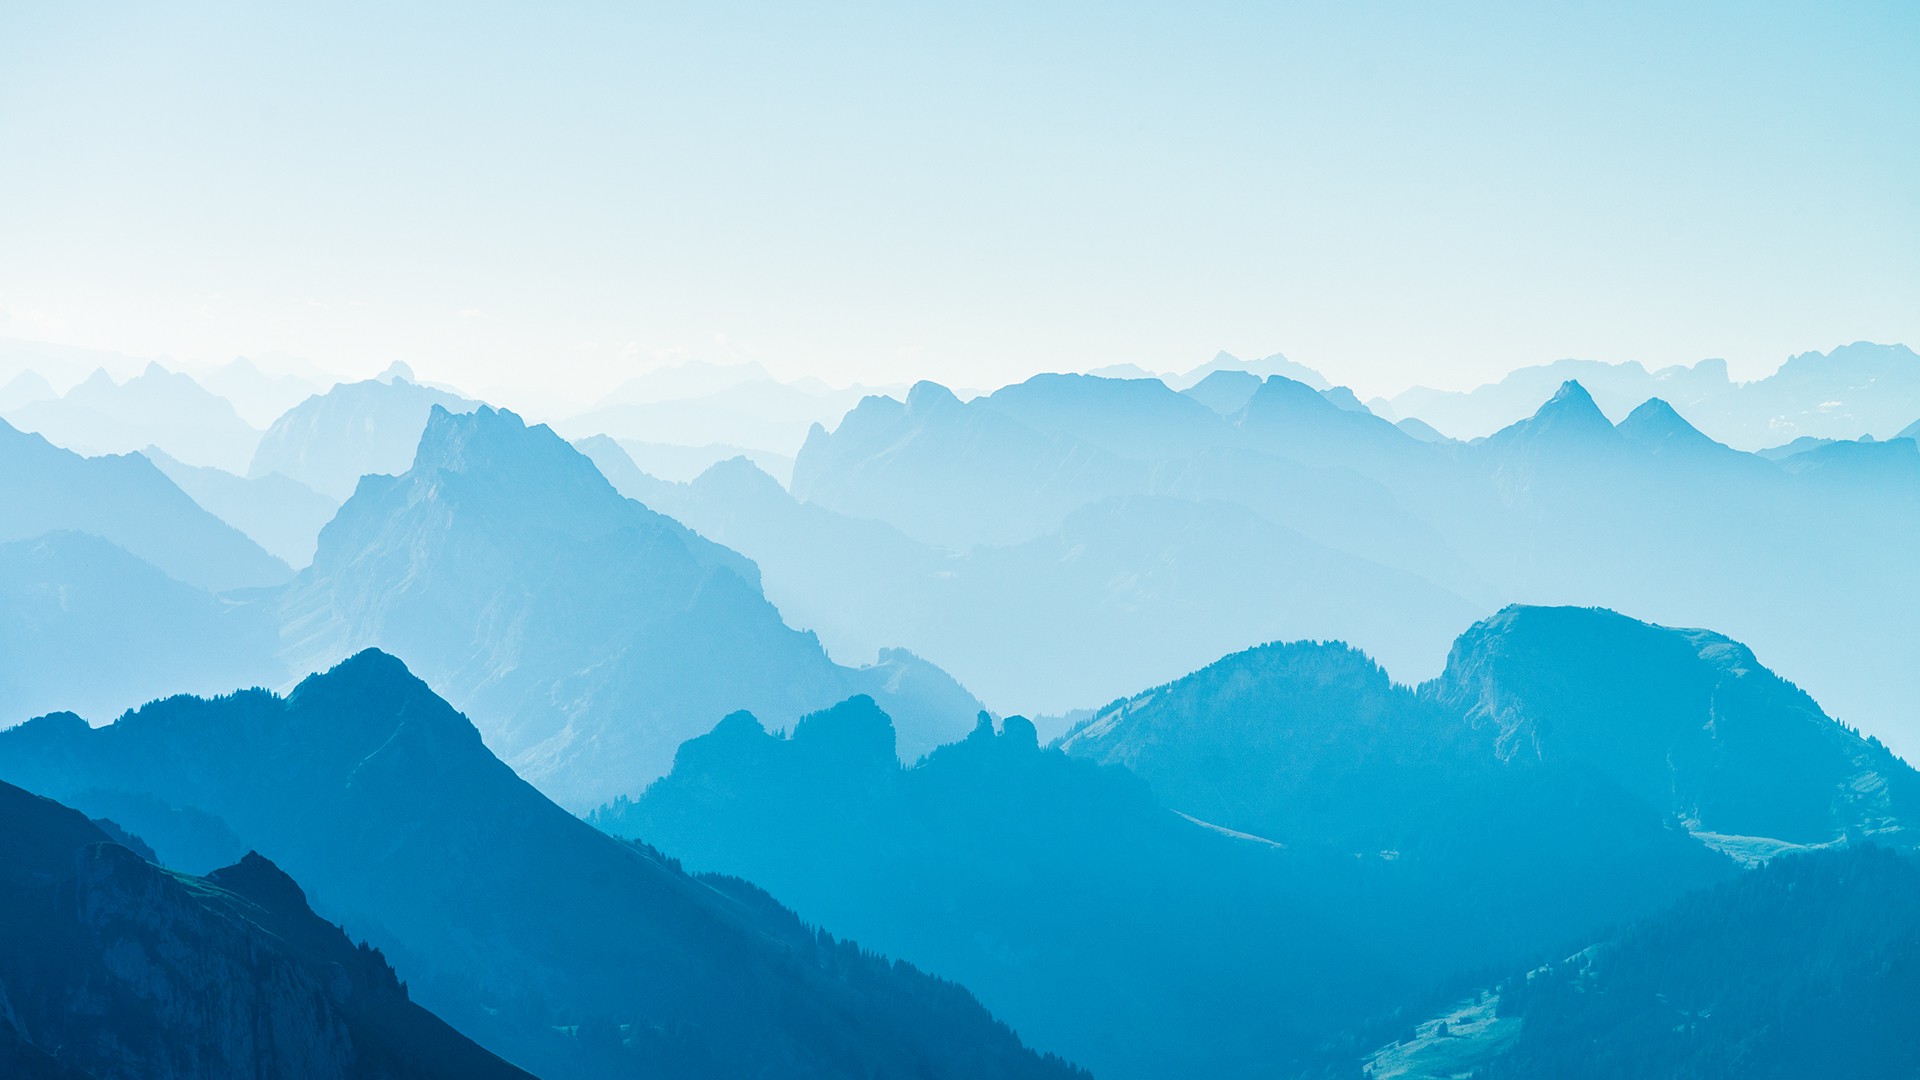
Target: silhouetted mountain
[588,635]
[157,407]
[1856,388]
[111,966]
[932,466]
[1225,392]
[1688,720]
[1124,590]
[86,626]
[1178,942]
[281,515]
[1264,367]
[126,500]
[25,389]
[258,397]
[546,940]
[329,441]
[1559,507]
[1809,966]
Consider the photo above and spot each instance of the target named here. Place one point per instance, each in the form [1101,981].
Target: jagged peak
[856,727]
[255,877]
[397,372]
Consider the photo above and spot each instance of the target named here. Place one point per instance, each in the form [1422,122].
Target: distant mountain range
[552,944]
[1560,507]
[157,407]
[280,514]
[112,966]
[1854,390]
[126,500]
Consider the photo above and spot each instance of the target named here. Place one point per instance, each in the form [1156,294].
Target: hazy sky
[1391,193]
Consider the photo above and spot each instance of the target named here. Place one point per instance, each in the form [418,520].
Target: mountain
[547,941]
[258,397]
[112,966]
[1618,388]
[1559,507]
[1124,590]
[1809,966]
[1133,934]
[126,500]
[954,474]
[86,626]
[1688,720]
[1263,368]
[281,515]
[1225,392]
[587,634]
[25,389]
[1862,387]
[157,407]
[329,441]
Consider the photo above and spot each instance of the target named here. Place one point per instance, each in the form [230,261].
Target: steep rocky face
[114,967]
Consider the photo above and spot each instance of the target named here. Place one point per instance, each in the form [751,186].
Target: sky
[558,197]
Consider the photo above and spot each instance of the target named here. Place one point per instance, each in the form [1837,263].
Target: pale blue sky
[1392,193]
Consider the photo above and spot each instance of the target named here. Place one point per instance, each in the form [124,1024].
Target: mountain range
[157,407]
[586,634]
[1286,842]
[124,499]
[1563,506]
[1856,389]
[550,943]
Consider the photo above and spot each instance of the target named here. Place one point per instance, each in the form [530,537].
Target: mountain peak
[398,371]
[256,878]
[1657,425]
[1570,413]
[926,396]
[855,728]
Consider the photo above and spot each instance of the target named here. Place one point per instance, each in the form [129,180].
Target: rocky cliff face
[111,966]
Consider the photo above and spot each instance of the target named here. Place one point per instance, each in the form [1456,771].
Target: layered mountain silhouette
[126,500]
[1854,389]
[156,407]
[1407,838]
[1563,506]
[1169,941]
[258,396]
[282,515]
[112,966]
[1687,721]
[86,626]
[549,942]
[586,634]
[329,441]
